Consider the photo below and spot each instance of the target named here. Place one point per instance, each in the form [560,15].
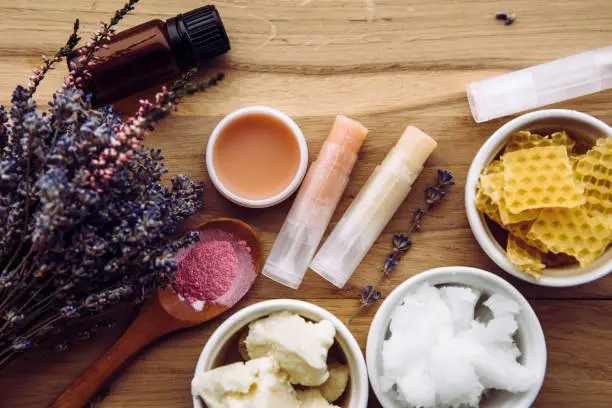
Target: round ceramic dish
[213,354]
[290,189]
[581,127]
[530,338]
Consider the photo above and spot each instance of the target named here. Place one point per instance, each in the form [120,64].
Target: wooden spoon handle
[150,324]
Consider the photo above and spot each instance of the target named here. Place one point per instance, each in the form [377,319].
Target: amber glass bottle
[154,53]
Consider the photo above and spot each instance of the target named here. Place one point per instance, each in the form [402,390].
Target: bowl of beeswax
[539,197]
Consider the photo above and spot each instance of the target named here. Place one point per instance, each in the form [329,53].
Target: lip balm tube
[373,207]
[316,201]
[541,85]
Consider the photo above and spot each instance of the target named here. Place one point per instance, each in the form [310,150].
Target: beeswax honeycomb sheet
[572,231]
[540,177]
[593,172]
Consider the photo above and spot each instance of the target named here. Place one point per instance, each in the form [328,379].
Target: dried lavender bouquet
[85,225]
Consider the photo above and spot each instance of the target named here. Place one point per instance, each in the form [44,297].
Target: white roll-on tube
[541,85]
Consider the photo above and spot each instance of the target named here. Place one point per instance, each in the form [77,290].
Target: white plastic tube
[316,201]
[541,85]
[373,207]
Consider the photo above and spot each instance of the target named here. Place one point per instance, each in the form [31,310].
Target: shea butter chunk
[256,383]
[300,347]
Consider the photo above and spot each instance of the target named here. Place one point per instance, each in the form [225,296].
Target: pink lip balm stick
[317,199]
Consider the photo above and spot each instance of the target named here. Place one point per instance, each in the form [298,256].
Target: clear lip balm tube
[315,203]
[373,207]
[540,85]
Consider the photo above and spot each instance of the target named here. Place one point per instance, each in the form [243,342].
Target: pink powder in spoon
[219,268]
[207,271]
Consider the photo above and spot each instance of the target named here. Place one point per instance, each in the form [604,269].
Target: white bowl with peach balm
[257,156]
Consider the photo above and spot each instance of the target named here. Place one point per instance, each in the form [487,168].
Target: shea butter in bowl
[456,336]
[280,370]
[257,156]
[538,197]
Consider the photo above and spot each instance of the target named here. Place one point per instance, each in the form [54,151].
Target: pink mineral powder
[217,269]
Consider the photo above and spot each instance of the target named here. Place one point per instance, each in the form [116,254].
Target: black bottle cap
[197,35]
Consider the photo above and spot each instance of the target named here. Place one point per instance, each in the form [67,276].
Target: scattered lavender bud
[445,178]
[401,242]
[391,262]
[501,16]
[505,17]
[434,194]
[369,296]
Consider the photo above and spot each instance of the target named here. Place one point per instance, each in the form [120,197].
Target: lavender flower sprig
[38,74]
[79,70]
[402,242]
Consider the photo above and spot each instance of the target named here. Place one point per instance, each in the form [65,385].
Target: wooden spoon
[162,314]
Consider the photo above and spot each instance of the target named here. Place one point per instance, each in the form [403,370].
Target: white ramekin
[579,125]
[299,175]
[358,392]
[530,337]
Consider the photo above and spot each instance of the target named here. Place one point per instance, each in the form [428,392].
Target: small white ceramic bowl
[299,175]
[580,126]
[215,350]
[529,338]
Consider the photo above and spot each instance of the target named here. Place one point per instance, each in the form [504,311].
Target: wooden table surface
[386,63]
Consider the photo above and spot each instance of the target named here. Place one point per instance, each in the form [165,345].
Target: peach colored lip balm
[373,207]
[316,201]
[257,156]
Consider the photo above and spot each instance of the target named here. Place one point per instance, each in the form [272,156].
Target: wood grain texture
[386,63]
